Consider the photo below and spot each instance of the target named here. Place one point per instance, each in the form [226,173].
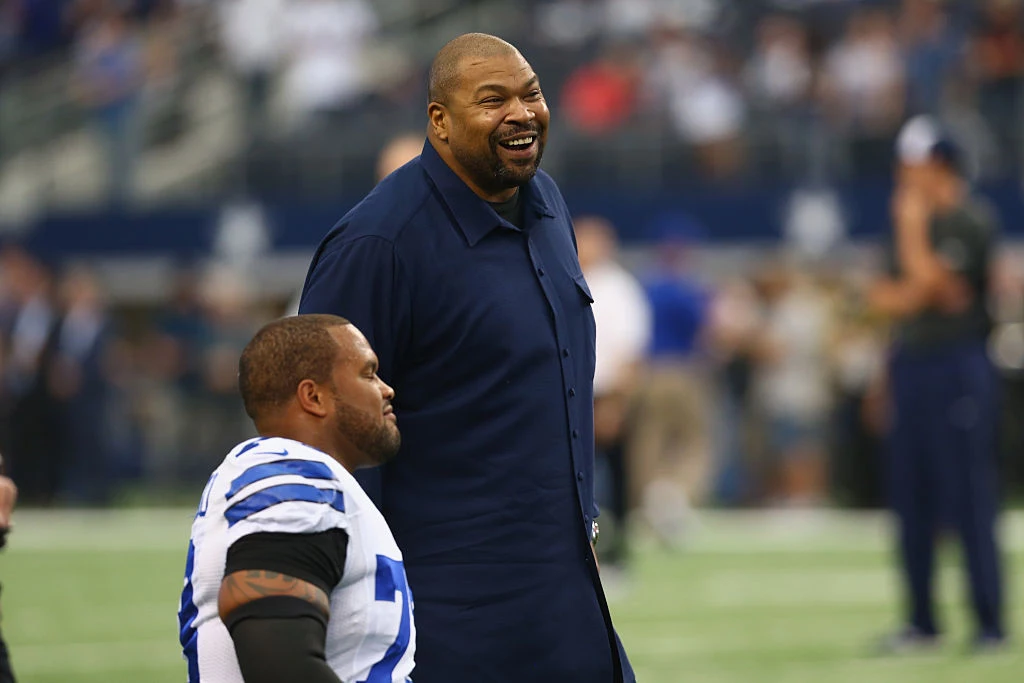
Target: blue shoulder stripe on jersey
[309,469]
[283,493]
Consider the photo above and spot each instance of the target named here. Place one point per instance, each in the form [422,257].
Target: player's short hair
[282,354]
[445,71]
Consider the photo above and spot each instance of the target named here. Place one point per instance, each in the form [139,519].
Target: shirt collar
[474,216]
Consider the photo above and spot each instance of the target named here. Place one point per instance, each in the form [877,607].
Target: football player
[292,574]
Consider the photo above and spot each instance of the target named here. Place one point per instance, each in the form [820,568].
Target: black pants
[942,475]
[612,499]
[6,673]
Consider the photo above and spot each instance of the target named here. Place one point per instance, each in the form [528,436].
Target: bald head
[398,152]
[596,241]
[444,71]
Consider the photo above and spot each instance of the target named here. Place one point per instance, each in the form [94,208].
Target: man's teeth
[520,143]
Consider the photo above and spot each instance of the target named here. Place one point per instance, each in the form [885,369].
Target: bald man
[461,269]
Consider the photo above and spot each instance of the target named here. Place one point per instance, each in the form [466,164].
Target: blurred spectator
[399,151]
[32,444]
[569,23]
[79,383]
[792,385]
[326,72]
[251,38]
[601,96]
[863,88]
[857,356]
[9,30]
[636,17]
[44,24]
[165,39]
[108,83]
[229,323]
[779,77]
[997,58]
[704,105]
[933,49]
[669,454]
[732,337]
[630,18]
[623,320]
[173,382]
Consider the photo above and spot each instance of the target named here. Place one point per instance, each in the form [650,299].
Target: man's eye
[491,100]
[534,94]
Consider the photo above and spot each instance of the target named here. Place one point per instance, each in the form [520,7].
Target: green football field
[790,597]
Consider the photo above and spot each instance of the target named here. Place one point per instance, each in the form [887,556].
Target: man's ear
[312,398]
[437,114]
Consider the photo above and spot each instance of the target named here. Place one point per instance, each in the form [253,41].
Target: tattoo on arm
[242,587]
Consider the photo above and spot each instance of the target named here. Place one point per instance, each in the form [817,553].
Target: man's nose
[520,111]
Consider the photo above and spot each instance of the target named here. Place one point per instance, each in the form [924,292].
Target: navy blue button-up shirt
[486,333]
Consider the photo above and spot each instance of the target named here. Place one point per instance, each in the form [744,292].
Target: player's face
[922,178]
[364,421]
[498,122]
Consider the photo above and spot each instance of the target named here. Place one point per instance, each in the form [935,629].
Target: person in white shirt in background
[251,39]
[623,319]
[792,385]
[325,40]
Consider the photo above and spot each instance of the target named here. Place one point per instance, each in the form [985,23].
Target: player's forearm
[898,298]
[919,263]
[282,650]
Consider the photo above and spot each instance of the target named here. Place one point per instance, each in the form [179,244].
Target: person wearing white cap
[943,389]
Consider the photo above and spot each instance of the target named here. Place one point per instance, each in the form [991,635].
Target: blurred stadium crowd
[655,92]
[750,370]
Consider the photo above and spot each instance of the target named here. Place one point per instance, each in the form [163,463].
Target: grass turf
[781,597]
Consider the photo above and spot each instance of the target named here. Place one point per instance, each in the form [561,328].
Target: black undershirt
[511,209]
[317,558]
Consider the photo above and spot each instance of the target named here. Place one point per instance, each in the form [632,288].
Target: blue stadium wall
[712,216]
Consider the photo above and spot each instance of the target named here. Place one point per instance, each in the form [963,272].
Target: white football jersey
[280,485]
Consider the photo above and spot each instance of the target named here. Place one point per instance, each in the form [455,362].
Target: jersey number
[204,501]
[391,580]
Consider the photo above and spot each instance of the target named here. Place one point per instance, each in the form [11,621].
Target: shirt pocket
[584,289]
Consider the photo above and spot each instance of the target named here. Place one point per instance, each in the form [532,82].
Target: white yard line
[769,531]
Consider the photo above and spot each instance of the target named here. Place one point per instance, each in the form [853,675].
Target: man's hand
[925,280]
[910,213]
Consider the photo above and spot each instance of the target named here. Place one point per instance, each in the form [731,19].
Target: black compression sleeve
[317,558]
[280,639]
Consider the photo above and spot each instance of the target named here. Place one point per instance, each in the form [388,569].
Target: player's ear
[437,114]
[312,398]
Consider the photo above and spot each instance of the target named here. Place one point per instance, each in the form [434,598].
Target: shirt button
[540,271]
[579,476]
[565,353]
[575,434]
[572,392]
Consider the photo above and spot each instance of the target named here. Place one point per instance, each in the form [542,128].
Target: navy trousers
[942,474]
